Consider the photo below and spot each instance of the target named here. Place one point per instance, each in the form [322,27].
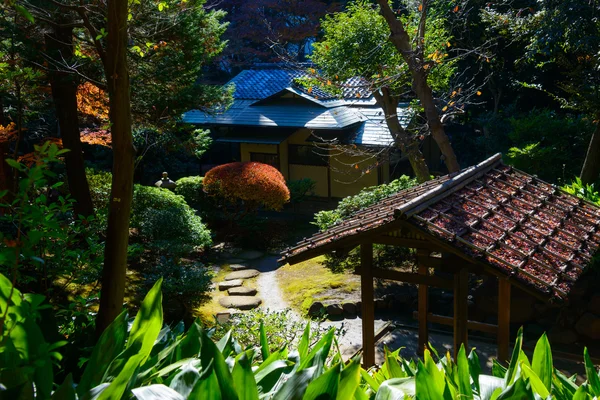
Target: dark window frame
[276,160]
[301,154]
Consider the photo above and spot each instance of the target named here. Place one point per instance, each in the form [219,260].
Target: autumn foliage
[254,183]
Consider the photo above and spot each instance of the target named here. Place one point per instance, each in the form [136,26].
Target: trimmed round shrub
[253,183]
[192,190]
[164,219]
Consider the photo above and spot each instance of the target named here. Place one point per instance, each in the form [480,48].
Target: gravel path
[267,285]
[274,300]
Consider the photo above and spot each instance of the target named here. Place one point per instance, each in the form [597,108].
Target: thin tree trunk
[115,255]
[59,46]
[400,39]
[591,166]
[406,142]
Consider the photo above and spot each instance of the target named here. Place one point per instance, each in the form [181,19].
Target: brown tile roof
[519,225]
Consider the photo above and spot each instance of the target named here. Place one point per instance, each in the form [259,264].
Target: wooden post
[423,304]
[368,304]
[503,319]
[461,309]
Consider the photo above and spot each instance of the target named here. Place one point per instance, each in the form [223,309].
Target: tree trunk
[591,166]
[59,45]
[400,39]
[406,142]
[117,235]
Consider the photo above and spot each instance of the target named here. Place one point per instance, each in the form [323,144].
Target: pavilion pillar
[368,304]
[503,319]
[461,309]
[423,304]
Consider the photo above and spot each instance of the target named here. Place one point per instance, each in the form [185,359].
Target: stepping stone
[240,302]
[242,291]
[250,254]
[238,267]
[234,261]
[244,274]
[230,284]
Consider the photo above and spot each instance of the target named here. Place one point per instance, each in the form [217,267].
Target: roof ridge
[448,187]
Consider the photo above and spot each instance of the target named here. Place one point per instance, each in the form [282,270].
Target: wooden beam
[461,309]
[503,319]
[409,277]
[449,321]
[402,242]
[423,305]
[368,304]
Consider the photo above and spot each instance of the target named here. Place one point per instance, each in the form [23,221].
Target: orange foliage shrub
[254,183]
[96,137]
[92,102]
[8,133]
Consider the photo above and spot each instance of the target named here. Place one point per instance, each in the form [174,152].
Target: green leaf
[243,378]
[210,355]
[264,344]
[304,342]
[514,361]
[66,391]
[474,369]
[156,392]
[320,351]
[295,386]
[592,374]
[397,389]
[185,380]
[488,385]
[349,380]
[429,381]
[144,331]
[464,377]
[25,13]
[393,366]
[542,361]
[325,386]
[537,384]
[207,387]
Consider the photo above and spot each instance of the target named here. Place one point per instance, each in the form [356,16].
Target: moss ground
[208,310]
[310,281]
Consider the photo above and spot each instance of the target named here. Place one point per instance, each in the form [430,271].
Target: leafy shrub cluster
[386,256]
[186,287]
[587,192]
[365,198]
[252,183]
[40,234]
[166,222]
[300,189]
[152,361]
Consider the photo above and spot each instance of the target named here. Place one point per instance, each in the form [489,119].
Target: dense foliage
[166,222]
[252,183]
[147,360]
[366,197]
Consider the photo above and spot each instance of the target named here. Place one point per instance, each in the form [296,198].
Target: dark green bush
[185,286]
[300,189]
[166,222]
[190,187]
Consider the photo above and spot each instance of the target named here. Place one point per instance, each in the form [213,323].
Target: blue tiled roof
[257,84]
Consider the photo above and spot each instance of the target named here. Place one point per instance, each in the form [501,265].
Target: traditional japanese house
[308,132]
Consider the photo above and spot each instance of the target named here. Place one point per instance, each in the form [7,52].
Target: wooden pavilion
[489,219]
